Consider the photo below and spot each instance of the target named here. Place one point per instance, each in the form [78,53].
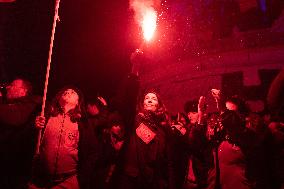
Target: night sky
[93,43]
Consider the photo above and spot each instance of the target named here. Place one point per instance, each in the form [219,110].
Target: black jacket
[152,163]
[17,140]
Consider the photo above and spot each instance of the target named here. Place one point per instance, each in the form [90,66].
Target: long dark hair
[160,114]
[77,113]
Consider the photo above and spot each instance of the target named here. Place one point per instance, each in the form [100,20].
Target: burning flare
[146,16]
[148,23]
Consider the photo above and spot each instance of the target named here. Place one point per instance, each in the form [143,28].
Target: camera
[3,90]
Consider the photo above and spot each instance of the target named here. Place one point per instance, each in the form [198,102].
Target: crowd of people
[85,144]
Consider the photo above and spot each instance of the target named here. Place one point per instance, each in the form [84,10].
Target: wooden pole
[55,19]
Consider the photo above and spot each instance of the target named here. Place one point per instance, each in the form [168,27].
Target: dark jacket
[87,158]
[151,163]
[17,140]
[88,154]
[193,145]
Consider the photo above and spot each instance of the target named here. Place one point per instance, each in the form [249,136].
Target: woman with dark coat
[148,158]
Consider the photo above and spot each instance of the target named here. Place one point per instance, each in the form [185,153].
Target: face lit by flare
[151,102]
[69,97]
[193,117]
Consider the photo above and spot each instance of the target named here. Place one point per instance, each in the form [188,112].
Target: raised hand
[202,104]
[103,101]
[201,109]
[179,126]
[216,93]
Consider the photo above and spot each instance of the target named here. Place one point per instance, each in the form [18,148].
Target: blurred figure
[97,106]
[97,112]
[68,149]
[259,157]
[201,156]
[182,153]
[148,158]
[277,129]
[191,109]
[110,144]
[17,134]
[275,102]
[234,142]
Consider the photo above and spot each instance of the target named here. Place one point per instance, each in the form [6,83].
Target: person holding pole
[67,151]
